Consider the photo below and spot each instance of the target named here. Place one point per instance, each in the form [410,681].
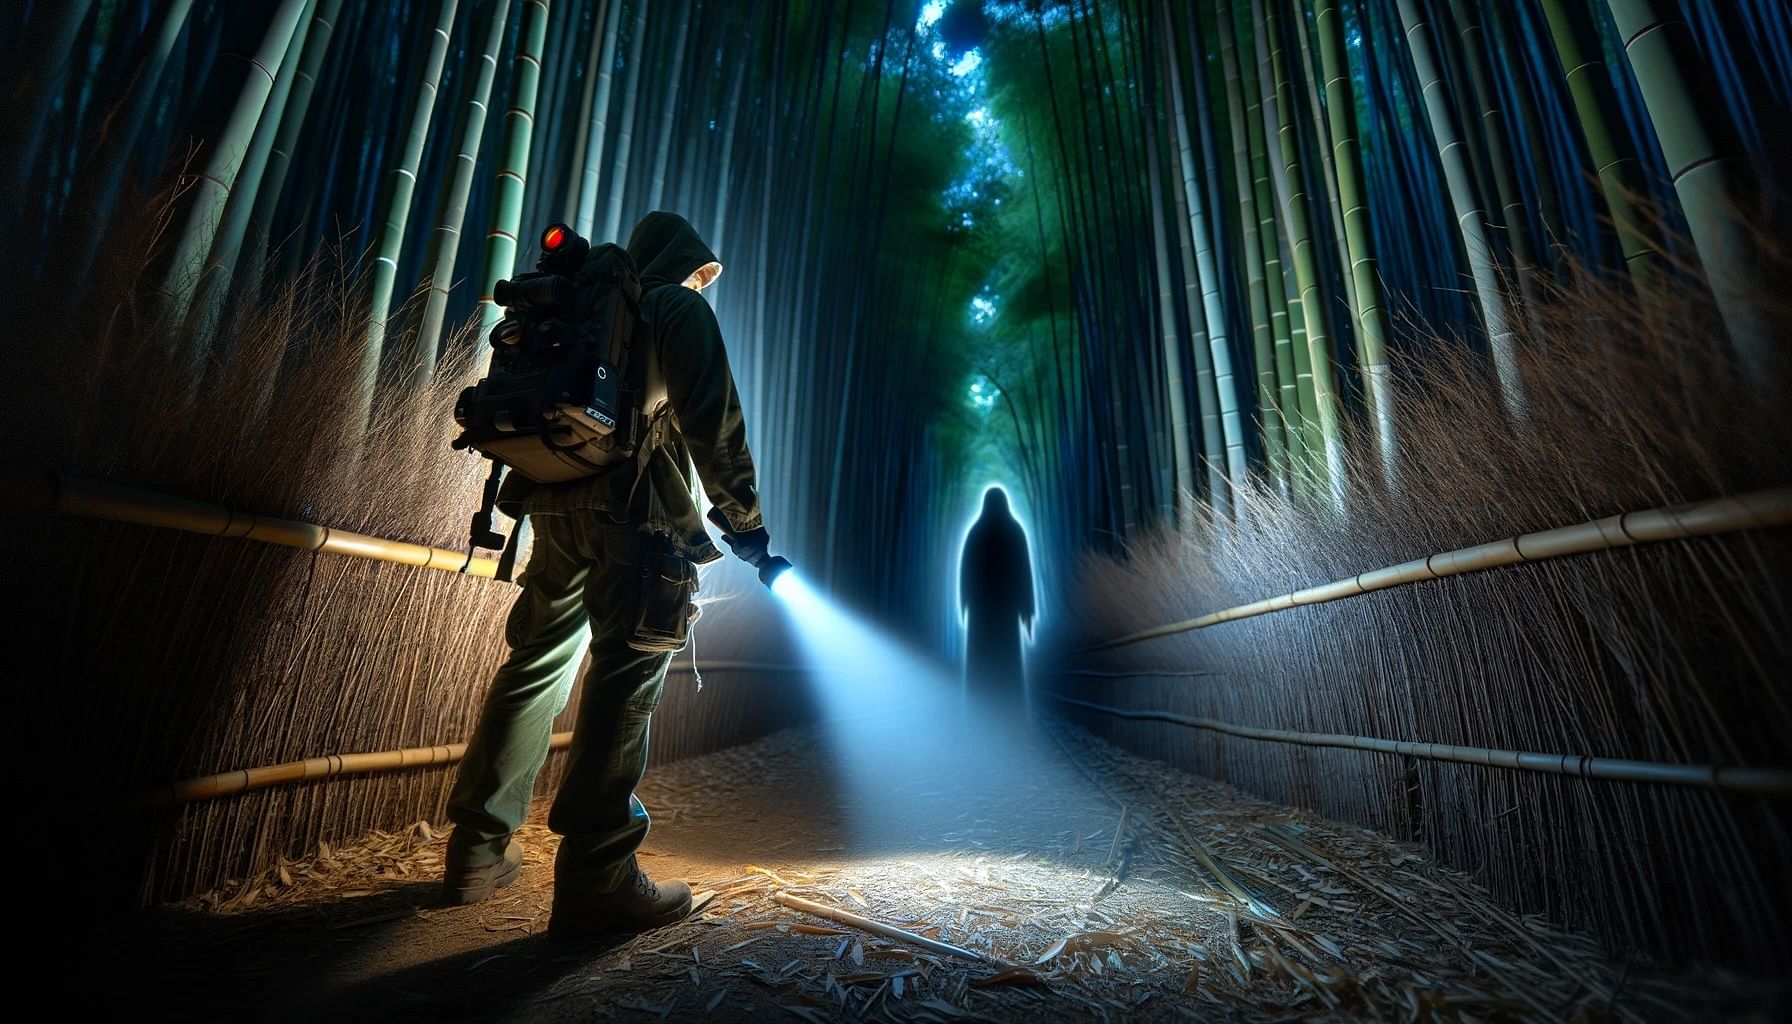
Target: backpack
[562,399]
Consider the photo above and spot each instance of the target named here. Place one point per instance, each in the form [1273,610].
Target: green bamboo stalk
[1717,188]
[1359,237]
[1465,200]
[600,121]
[1269,418]
[1219,344]
[507,206]
[212,187]
[446,243]
[1576,39]
[220,263]
[1260,114]
[1311,73]
[292,120]
[402,187]
[625,126]
[1326,437]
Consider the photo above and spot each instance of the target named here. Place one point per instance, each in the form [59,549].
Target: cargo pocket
[663,619]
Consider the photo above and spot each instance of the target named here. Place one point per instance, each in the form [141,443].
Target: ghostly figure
[995,590]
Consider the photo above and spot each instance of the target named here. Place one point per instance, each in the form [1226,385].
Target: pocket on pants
[663,602]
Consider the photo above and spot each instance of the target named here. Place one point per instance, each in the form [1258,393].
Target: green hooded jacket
[690,398]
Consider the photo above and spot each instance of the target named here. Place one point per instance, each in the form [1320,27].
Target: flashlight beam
[887,931]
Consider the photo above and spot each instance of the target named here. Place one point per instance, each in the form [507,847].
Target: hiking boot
[640,904]
[462,884]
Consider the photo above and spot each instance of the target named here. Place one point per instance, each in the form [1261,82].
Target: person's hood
[995,504]
[667,250]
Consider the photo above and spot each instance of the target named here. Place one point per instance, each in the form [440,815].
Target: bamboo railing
[50,491]
[1755,510]
[1765,782]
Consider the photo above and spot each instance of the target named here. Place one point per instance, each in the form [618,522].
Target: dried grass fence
[1672,652]
[152,655]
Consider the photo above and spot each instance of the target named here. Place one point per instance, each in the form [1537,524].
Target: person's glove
[751,546]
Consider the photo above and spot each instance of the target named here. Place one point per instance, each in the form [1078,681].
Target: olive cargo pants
[580,573]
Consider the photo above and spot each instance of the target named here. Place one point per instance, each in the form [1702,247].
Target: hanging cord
[695,671]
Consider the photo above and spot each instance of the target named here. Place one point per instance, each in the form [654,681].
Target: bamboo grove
[430,140]
[1204,236]
[1260,211]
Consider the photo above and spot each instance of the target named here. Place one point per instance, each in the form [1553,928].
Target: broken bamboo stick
[887,931]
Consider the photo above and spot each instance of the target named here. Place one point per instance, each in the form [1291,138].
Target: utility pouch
[667,582]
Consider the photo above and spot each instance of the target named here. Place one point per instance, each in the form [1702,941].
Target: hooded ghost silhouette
[996,591]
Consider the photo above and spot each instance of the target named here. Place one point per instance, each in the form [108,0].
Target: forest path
[1211,904]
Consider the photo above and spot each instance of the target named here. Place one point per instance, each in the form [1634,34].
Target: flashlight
[774,567]
[753,548]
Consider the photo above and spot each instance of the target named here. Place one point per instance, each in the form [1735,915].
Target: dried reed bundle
[1674,652]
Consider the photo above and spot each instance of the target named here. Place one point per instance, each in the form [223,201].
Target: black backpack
[562,399]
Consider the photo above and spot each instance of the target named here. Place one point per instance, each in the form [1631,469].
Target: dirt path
[1207,904]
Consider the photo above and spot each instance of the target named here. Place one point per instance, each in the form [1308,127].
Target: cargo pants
[581,580]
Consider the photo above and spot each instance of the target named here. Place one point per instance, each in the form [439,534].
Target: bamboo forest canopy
[1136,259]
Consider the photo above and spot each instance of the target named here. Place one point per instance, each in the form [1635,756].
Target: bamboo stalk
[99,499]
[1768,782]
[1754,510]
[1471,217]
[1718,188]
[513,172]
[447,237]
[213,186]
[879,928]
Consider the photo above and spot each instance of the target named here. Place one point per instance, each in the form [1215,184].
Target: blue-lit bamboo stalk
[1213,310]
[212,186]
[1718,189]
[445,241]
[598,131]
[625,129]
[399,190]
[1465,200]
[513,175]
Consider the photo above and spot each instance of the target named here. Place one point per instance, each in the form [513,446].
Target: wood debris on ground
[1106,887]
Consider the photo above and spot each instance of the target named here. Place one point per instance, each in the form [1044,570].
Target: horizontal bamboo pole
[50,491]
[879,928]
[212,787]
[242,780]
[1766,782]
[1755,510]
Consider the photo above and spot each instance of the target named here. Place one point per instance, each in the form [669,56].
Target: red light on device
[553,238]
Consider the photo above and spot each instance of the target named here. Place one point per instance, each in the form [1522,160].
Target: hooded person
[995,592]
[615,554]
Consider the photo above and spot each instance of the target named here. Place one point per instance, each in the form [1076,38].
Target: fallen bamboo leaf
[1084,942]
[815,929]
[1193,981]
[1017,976]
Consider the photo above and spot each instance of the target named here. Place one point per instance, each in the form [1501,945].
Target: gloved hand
[751,547]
